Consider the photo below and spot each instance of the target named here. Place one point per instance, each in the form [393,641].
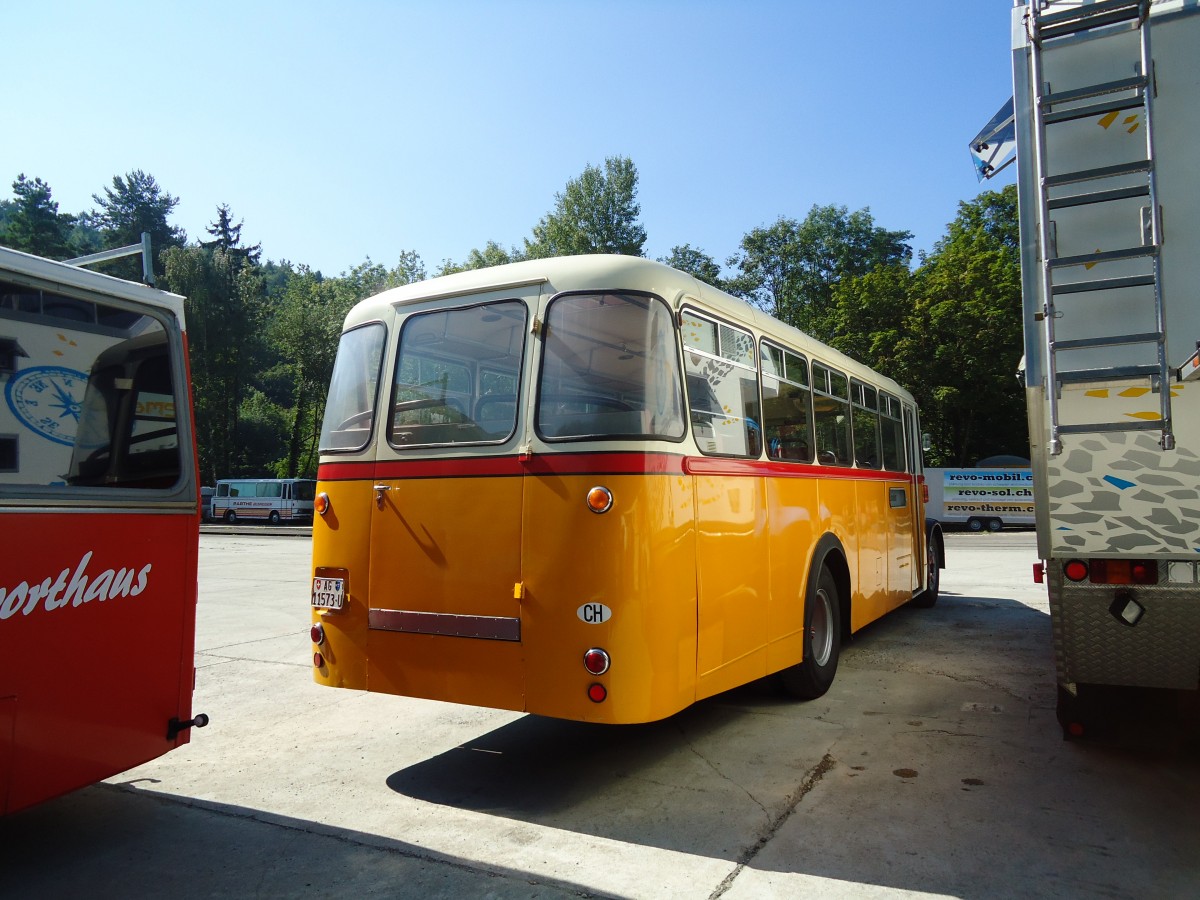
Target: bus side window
[831,416]
[722,387]
[892,433]
[866,425]
[787,414]
[153,459]
[128,436]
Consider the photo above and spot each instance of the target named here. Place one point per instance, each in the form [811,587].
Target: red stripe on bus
[619,463]
[346,471]
[713,465]
[610,463]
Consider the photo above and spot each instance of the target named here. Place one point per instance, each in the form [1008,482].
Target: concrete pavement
[934,767]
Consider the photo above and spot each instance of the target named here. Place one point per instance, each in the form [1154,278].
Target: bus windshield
[610,369]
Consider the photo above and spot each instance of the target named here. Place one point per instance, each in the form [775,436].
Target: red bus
[99,528]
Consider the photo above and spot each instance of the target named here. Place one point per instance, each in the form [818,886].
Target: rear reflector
[597,693]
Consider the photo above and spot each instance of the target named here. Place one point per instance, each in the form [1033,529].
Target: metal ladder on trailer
[1049,30]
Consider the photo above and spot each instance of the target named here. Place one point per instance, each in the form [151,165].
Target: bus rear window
[457,375]
[610,369]
[350,407]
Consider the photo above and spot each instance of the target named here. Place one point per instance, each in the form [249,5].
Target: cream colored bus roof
[610,272]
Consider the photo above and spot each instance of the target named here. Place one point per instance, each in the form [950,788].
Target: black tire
[822,642]
[994,524]
[230,517]
[933,577]
[974,524]
[273,518]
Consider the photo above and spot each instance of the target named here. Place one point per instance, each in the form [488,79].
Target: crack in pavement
[708,762]
[819,771]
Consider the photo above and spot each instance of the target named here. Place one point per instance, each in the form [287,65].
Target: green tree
[696,263]
[790,268]
[304,331]
[136,204]
[34,224]
[963,338]
[228,237]
[370,278]
[596,213]
[491,255]
[870,317]
[227,314]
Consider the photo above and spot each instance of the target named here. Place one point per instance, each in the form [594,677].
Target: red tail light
[596,661]
[1076,570]
[1112,571]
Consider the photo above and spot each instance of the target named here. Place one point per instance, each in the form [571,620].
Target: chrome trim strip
[490,628]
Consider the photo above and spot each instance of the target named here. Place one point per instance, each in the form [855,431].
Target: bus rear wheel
[822,642]
[230,517]
[933,577]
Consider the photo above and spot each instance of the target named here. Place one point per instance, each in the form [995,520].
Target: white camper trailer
[1107,128]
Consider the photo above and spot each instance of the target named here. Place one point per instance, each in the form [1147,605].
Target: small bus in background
[99,514]
[596,488]
[273,500]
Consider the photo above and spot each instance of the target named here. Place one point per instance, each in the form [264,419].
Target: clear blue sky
[343,130]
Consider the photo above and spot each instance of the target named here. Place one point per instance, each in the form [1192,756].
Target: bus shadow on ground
[723,777]
[714,777]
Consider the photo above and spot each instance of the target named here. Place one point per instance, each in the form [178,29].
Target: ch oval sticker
[594,613]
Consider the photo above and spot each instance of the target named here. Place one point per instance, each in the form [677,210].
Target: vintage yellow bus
[596,488]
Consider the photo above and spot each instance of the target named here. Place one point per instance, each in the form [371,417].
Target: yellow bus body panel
[450,546]
[637,560]
[701,580]
[342,540]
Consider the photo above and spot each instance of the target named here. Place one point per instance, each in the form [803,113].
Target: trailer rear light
[1076,570]
[597,693]
[1112,571]
[321,503]
[317,633]
[1039,572]
[596,661]
[1124,571]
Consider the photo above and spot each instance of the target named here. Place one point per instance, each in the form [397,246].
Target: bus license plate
[328,593]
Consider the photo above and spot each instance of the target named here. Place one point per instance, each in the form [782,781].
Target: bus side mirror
[926,443]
